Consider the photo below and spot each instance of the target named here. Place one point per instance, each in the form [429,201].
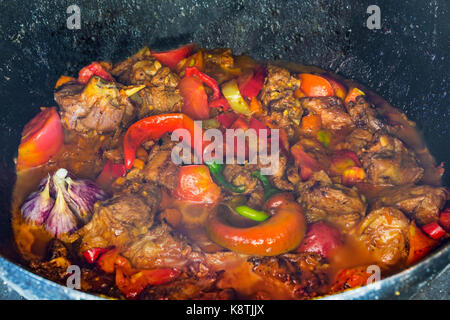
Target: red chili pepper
[253,85]
[220,103]
[444,219]
[94,69]
[91,255]
[210,82]
[434,230]
[173,57]
[110,172]
[154,127]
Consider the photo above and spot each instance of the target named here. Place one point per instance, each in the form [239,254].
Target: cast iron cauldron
[406,62]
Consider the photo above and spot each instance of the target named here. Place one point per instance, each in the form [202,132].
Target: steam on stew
[353,185]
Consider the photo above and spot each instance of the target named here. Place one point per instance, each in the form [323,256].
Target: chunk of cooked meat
[280,178]
[241,175]
[364,114]
[422,203]
[331,110]
[356,141]
[161,94]
[304,275]
[222,57]
[117,221]
[387,161]
[385,232]
[97,106]
[160,168]
[277,93]
[160,247]
[323,200]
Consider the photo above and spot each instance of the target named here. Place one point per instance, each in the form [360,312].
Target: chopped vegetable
[216,172]
[255,106]
[231,92]
[342,160]
[253,84]
[311,123]
[444,219]
[226,119]
[210,82]
[220,103]
[281,233]
[94,69]
[91,255]
[269,190]
[195,98]
[153,128]
[38,205]
[353,94]
[172,57]
[324,137]
[353,175]
[340,90]
[315,86]
[42,137]
[110,172]
[419,244]
[196,185]
[321,238]
[252,213]
[304,161]
[195,60]
[434,230]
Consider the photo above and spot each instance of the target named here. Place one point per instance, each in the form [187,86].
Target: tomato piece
[42,137]
[444,219]
[353,94]
[195,98]
[110,172]
[311,123]
[305,162]
[196,185]
[352,176]
[107,261]
[226,119]
[91,255]
[172,57]
[94,69]
[251,86]
[315,86]
[320,238]
[340,90]
[343,160]
[419,244]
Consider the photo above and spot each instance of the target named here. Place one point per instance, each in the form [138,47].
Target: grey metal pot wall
[406,62]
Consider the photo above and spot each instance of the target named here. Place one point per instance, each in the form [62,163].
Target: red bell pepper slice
[154,127]
[94,69]
[196,185]
[419,244]
[172,57]
[227,119]
[91,255]
[110,172]
[42,137]
[210,82]
[434,230]
[195,98]
[250,87]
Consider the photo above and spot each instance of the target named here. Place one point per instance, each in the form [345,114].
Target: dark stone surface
[406,61]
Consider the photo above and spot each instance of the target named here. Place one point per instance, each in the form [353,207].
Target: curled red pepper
[281,233]
[94,69]
[154,127]
[210,82]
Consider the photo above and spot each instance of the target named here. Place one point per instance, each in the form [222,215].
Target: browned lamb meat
[160,168]
[303,275]
[385,232]
[423,203]
[98,106]
[331,110]
[364,114]
[387,161]
[161,94]
[323,200]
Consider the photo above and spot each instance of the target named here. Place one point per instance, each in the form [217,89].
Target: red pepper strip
[434,230]
[251,88]
[153,128]
[210,82]
[173,57]
[110,172]
[94,69]
[91,255]
[280,233]
[220,103]
[419,244]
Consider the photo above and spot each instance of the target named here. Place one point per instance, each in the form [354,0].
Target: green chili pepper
[269,191]
[252,213]
[216,172]
[324,137]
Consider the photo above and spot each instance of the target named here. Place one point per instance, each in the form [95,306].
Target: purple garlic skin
[83,194]
[38,205]
[60,220]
